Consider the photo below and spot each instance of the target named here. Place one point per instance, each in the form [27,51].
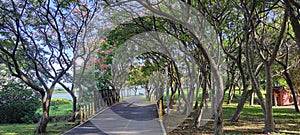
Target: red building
[282,96]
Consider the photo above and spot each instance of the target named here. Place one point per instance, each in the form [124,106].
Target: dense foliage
[17,103]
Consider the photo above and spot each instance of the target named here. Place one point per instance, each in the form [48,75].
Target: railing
[102,99]
[86,111]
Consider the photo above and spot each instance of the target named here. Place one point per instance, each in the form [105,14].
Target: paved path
[131,117]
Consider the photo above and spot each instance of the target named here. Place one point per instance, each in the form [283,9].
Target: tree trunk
[219,124]
[42,124]
[241,104]
[74,107]
[147,92]
[290,83]
[230,95]
[239,89]
[173,91]
[162,102]
[269,120]
[74,101]
[197,91]
[260,99]
[197,120]
[245,94]
[218,98]
[191,96]
[179,100]
[295,24]
[80,95]
[135,90]
[197,96]
[231,86]
[187,107]
[254,81]
[172,99]
[151,93]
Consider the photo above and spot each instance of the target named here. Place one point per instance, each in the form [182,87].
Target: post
[87,111]
[252,98]
[167,92]
[81,114]
[84,113]
[93,108]
[160,110]
[90,109]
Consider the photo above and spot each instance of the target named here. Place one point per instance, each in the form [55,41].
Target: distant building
[282,96]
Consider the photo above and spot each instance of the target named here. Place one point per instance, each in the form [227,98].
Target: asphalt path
[131,117]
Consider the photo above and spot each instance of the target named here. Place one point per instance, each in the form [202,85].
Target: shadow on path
[138,112]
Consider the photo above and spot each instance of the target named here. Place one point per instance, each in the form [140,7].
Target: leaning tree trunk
[197,91]
[197,96]
[295,24]
[290,83]
[230,94]
[245,95]
[197,120]
[243,99]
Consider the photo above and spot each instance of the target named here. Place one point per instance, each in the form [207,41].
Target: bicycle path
[131,117]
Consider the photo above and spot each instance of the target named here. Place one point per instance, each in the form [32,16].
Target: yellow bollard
[84,113]
[160,110]
[81,114]
[93,108]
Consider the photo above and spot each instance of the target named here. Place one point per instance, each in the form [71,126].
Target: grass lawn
[54,128]
[59,110]
[251,121]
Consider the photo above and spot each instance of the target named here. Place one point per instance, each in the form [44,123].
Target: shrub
[17,104]
[60,101]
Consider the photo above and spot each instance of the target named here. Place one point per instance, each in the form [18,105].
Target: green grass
[54,128]
[56,91]
[59,91]
[251,120]
[63,109]
[58,110]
